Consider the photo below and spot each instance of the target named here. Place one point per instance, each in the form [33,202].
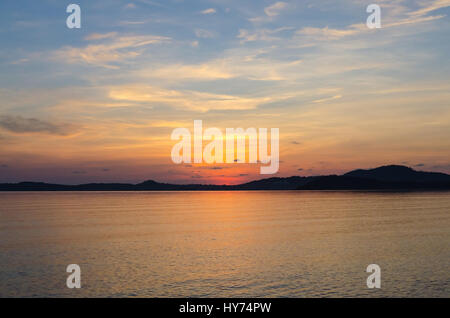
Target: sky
[99,103]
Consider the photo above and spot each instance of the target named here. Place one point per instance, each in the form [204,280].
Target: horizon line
[212,184]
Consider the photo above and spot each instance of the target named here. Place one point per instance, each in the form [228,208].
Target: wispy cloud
[429,6]
[206,71]
[329,33]
[130,6]
[398,15]
[20,61]
[151,3]
[413,20]
[134,22]
[112,49]
[202,33]
[328,99]
[260,34]
[100,36]
[275,9]
[186,99]
[209,11]
[18,124]
[271,12]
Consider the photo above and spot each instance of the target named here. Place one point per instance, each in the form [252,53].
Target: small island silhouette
[392,177]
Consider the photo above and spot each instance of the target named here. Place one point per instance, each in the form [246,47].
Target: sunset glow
[98,104]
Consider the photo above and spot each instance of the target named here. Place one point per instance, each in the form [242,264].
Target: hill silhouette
[396,173]
[381,178]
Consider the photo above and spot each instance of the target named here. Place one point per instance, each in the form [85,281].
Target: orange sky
[99,104]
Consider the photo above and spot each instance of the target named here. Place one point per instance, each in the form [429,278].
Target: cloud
[18,124]
[420,165]
[133,22]
[323,100]
[20,61]
[152,3]
[216,70]
[201,33]
[168,124]
[271,12]
[431,6]
[243,64]
[402,15]
[186,99]
[275,8]
[100,36]
[260,34]
[115,49]
[413,20]
[399,17]
[209,11]
[130,6]
[327,33]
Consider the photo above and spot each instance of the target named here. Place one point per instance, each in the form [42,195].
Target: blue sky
[99,103]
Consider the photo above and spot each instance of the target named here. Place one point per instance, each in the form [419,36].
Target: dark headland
[382,178]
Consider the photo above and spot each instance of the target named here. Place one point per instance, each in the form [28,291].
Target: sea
[225,243]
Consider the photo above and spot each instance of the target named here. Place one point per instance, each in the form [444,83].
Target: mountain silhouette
[276,183]
[395,173]
[391,177]
[344,183]
[381,178]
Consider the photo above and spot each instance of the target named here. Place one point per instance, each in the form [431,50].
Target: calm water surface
[223,244]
